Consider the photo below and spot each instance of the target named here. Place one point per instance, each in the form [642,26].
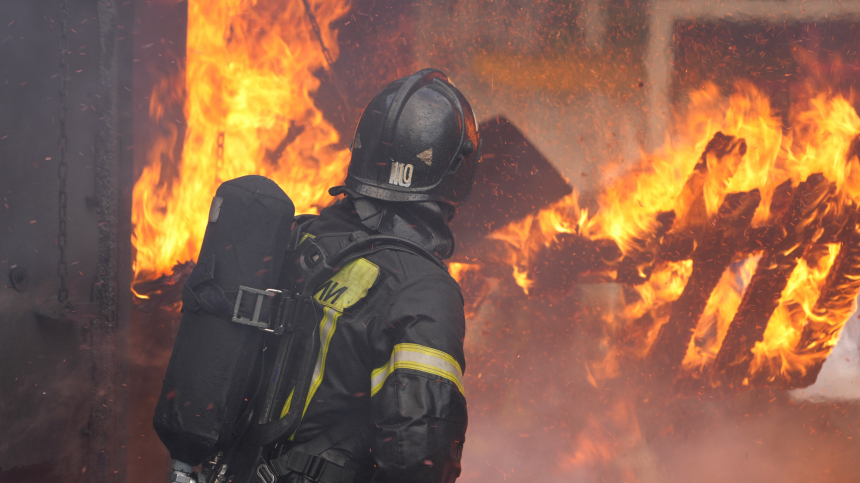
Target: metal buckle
[255,320]
[263,471]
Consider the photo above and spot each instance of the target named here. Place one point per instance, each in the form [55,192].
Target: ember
[723,264]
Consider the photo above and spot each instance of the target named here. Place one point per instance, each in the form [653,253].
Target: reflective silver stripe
[420,358]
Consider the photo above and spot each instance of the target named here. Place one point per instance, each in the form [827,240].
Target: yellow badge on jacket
[348,286]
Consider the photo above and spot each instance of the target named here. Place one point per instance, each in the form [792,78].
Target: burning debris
[164,291]
[791,219]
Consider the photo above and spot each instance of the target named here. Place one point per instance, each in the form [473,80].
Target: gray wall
[45,367]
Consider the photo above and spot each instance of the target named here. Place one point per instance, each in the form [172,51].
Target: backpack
[243,345]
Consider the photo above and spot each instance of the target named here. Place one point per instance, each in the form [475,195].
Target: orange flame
[817,141]
[249,110]
[458,270]
[721,308]
[776,354]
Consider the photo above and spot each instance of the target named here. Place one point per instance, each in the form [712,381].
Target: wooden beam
[765,289]
[710,259]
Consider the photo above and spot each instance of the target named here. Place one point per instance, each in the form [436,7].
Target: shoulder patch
[348,286]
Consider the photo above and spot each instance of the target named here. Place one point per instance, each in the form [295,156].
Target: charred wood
[636,268]
[163,291]
[677,246]
[758,238]
[835,302]
[710,259]
[561,264]
[718,163]
[797,226]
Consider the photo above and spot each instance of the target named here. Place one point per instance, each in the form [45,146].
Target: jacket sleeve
[417,397]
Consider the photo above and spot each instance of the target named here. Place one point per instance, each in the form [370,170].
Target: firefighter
[390,363]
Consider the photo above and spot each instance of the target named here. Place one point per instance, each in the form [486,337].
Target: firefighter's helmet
[417,140]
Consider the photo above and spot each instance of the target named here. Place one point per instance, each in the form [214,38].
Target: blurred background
[659,260]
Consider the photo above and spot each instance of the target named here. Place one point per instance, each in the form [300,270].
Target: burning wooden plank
[718,163]
[559,265]
[637,267]
[797,227]
[710,259]
[834,304]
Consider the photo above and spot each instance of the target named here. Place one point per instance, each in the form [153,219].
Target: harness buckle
[314,467]
[254,321]
[265,474]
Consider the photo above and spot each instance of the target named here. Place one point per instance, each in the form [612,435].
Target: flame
[249,110]
[458,270]
[604,438]
[817,140]
[528,236]
[722,306]
[665,286]
[776,355]
[248,102]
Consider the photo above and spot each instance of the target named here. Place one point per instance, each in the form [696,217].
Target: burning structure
[662,243]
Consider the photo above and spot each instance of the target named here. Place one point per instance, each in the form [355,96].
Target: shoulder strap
[359,244]
[322,255]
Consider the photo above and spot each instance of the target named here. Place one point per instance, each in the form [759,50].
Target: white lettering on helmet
[407,175]
[393,177]
[401,174]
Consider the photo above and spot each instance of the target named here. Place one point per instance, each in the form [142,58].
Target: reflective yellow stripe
[327,327]
[328,324]
[343,290]
[286,409]
[419,358]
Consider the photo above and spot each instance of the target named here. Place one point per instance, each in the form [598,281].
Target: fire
[459,270]
[606,437]
[745,147]
[776,355]
[534,232]
[664,286]
[249,109]
[722,306]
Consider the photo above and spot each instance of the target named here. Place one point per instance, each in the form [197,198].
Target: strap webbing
[306,458]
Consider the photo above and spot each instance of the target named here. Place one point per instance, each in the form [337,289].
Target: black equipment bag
[228,313]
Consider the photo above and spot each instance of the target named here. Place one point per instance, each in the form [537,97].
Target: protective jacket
[390,360]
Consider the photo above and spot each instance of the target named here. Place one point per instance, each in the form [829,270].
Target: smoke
[839,379]
[150,345]
[58,428]
[540,411]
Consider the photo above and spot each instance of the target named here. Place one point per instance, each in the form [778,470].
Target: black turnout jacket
[391,354]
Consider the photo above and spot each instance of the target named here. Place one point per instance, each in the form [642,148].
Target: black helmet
[417,140]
